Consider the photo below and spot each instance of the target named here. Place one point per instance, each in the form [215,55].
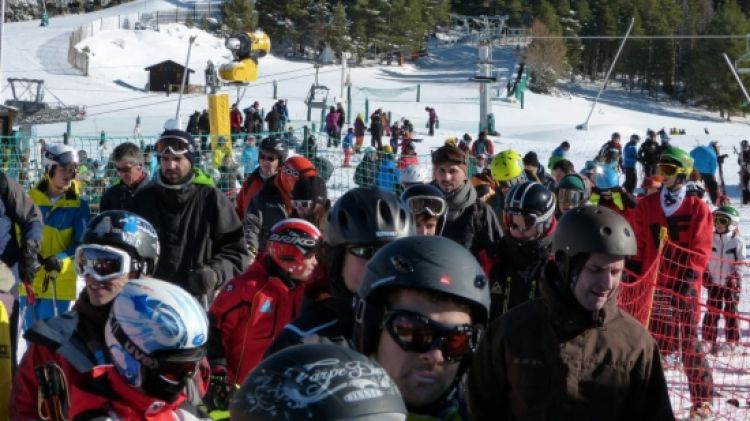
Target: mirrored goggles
[172,145]
[415,332]
[302,204]
[667,170]
[103,263]
[570,197]
[363,252]
[435,206]
[176,372]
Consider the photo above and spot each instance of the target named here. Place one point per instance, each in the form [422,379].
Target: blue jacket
[348,141]
[704,158]
[388,175]
[249,158]
[629,155]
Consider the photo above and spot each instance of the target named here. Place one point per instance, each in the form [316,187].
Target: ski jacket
[704,159]
[249,158]
[543,177]
[469,222]
[630,155]
[690,227]
[483,145]
[557,154]
[64,224]
[119,196]
[250,187]
[376,125]
[348,141]
[388,176]
[728,258]
[268,207]
[247,316]
[432,115]
[273,119]
[516,270]
[620,201]
[342,117]
[364,174]
[235,119]
[405,160]
[552,359]
[17,209]
[648,153]
[332,122]
[197,227]
[359,127]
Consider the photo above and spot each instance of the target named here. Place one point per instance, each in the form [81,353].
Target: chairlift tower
[28,99]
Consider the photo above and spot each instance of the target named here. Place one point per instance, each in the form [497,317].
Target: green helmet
[730,213]
[675,155]
[507,165]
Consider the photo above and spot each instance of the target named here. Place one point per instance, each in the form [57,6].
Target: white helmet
[414,174]
[156,329]
[59,154]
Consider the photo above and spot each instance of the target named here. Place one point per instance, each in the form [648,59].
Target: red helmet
[291,241]
[293,169]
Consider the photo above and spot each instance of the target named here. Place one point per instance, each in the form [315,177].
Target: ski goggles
[529,220]
[172,145]
[302,204]
[103,263]
[722,220]
[363,252]
[570,197]
[667,170]
[415,332]
[176,372]
[434,206]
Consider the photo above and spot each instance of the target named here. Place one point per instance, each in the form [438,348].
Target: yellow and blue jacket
[64,225]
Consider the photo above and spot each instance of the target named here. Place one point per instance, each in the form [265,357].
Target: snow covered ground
[118,59]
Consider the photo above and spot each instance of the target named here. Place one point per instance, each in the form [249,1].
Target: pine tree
[545,59]
[238,15]
[337,35]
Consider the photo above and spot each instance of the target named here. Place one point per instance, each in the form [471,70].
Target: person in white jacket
[723,279]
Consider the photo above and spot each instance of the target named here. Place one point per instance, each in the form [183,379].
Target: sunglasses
[103,263]
[667,170]
[269,158]
[570,197]
[722,220]
[302,204]
[290,171]
[363,252]
[434,206]
[415,332]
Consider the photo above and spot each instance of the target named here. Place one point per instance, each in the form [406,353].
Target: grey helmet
[127,231]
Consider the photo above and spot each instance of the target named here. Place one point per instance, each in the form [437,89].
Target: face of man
[353,270]
[174,167]
[421,378]
[101,293]
[449,177]
[62,177]
[129,171]
[426,225]
[598,280]
[269,163]
[558,174]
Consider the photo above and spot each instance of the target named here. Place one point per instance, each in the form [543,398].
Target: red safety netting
[701,325]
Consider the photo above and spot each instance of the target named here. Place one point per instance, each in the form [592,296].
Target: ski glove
[202,281]
[219,390]
[52,264]
[28,264]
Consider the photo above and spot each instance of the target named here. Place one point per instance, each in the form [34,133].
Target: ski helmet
[317,382]
[426,198]
[424,263]
[607,177]
[156,336]
[731,213]
[59,154]
[592,229]
[414,174]
[531,199]
[678,157]
[293,169]
[507,165]
[368,216]
[128,231]
[635,137]
[291,241]
[276,146]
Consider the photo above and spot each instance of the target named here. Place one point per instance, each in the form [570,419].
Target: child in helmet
[427,203]
[607,191]
[723,278]
[253,307]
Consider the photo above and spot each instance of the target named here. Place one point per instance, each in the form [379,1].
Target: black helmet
[426,199]
[428,263]
[127,231]
[317,382]
[276,146]
[531,198]
[593,229]
[368,216]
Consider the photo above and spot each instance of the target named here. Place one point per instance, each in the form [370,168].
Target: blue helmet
[156,336]
[607,176]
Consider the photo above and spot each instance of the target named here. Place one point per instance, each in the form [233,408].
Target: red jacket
[406,160]
[691,227]
[82,387]
[250,187]
[248,314]
[235,119]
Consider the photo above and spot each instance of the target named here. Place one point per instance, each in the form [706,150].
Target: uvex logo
[290,239]
[134,350]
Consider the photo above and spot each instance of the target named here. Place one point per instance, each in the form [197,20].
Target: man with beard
[272,153]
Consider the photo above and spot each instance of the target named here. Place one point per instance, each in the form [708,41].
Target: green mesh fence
[21,158]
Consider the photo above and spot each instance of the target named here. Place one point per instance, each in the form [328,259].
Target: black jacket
[119,196]
[197,227]
[470,222]
[266,209]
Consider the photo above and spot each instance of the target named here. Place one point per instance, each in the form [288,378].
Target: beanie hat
[184,138]
[310,188]
[531,159]
[452,155]
[572,182]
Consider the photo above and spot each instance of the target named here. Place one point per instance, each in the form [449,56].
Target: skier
[648,154]
[558,153]
[427,203]
[431,120]
[271,154]
[571,193]
[706,163]
[629,158]
[608,193]
[611,150]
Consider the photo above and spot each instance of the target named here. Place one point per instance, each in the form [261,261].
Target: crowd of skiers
[485,288]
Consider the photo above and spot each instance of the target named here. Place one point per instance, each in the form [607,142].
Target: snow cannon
[247,48]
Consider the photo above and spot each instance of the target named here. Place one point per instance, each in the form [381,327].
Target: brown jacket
[550,359]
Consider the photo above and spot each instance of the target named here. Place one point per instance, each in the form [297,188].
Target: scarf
[672,200]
